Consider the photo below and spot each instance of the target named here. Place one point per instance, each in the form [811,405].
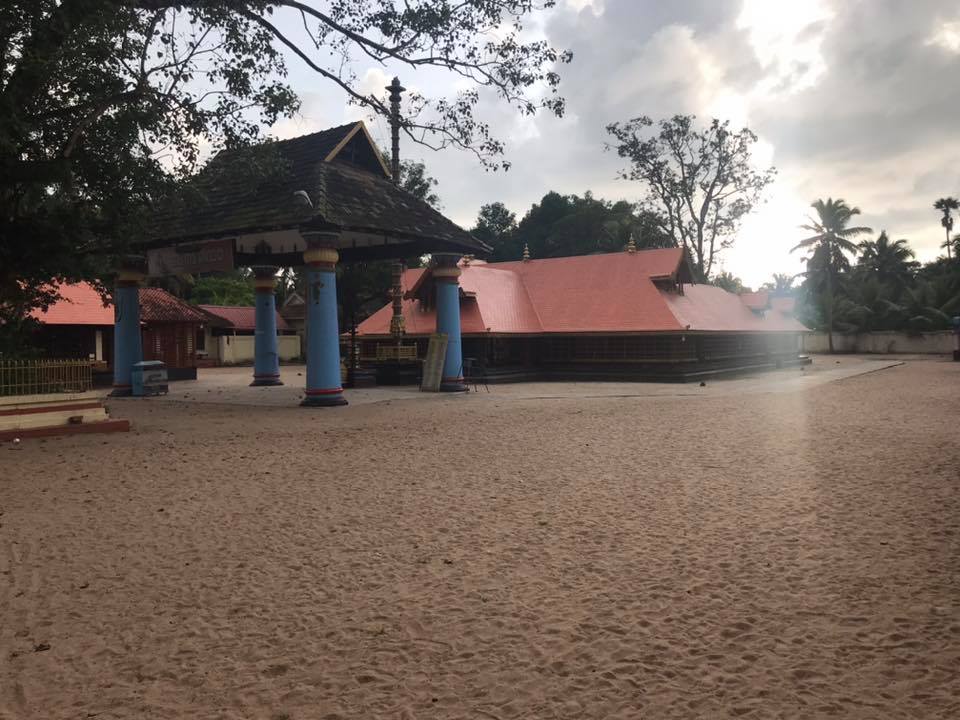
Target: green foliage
[729,282]
[829,245]
[782,284]
[416,181]
[563,225]
[947,205]
[233,289]
[106,104]
[885,290]
[701,182]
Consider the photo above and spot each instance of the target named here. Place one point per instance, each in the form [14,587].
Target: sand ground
[788,552]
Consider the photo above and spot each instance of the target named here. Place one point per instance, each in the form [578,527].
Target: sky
[858,99]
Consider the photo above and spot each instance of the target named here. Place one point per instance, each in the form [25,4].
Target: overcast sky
[858,99]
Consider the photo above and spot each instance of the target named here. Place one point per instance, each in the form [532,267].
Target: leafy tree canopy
[884,289]
[562,225]
[233,289]
[729,282]
[105,103]
[701,182]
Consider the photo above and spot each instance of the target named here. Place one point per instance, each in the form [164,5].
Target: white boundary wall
[238,349]
[881,342]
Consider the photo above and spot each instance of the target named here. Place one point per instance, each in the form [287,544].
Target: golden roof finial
[631,244]
[526,253]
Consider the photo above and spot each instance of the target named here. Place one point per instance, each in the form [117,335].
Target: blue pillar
[323,332]
[127,344]
[266,359]
[446,276]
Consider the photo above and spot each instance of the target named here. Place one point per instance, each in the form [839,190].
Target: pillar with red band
[446,275]
[323,333]
[266,359]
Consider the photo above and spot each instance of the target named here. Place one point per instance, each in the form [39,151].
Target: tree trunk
[830,304]
[947,229]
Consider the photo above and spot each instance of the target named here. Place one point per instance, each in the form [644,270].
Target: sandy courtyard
[685,554]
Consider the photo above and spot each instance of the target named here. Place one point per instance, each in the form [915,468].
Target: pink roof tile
[615,292]
[241,317]
[784,304]
[79,304]
[759,300]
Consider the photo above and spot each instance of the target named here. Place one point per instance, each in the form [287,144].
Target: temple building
[80,325]
[230,336]
[630,315]
[312,202]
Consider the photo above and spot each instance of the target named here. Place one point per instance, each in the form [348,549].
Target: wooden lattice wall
[172,343]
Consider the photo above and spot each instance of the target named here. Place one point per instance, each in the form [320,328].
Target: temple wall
[881,342]
[239,349]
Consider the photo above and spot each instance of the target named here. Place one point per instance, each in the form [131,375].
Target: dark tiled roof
[157,305]
[240,317]
[252,189]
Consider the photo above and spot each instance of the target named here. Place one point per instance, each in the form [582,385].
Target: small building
[81,326]
[294,312]
[228,338]
[630,315]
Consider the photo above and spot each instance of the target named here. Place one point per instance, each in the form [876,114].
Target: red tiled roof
[240,317]
[79,304]
[759,300]
[783,303]
[157,305]
[607,293]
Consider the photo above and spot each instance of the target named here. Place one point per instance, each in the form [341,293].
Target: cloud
[851,98]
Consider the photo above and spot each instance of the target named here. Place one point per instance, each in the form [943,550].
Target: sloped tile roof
[81,304]
[240,317]
[157,305]
[615,292]
[252,189]
[759,300]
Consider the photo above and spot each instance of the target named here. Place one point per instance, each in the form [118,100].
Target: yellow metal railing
[41,377]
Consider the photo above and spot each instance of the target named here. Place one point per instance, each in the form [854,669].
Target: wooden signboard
[433,364]
[188,258]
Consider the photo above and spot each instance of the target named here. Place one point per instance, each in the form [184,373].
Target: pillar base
[453,386]
[266,381]
[323,399]
[121,391]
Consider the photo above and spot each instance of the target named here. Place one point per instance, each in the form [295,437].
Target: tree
[782,284]
[496,226]
[416,181]
[829,243]
[105,103]
[702,182]
[235,288]
[890,262]
[564,225]
[729,282]
[947,205]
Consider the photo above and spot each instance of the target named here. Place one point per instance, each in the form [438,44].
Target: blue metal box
[149,378]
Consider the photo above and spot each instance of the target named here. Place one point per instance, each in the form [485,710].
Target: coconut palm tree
[782,284]
[890,262]
[830,241]
[947,205]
